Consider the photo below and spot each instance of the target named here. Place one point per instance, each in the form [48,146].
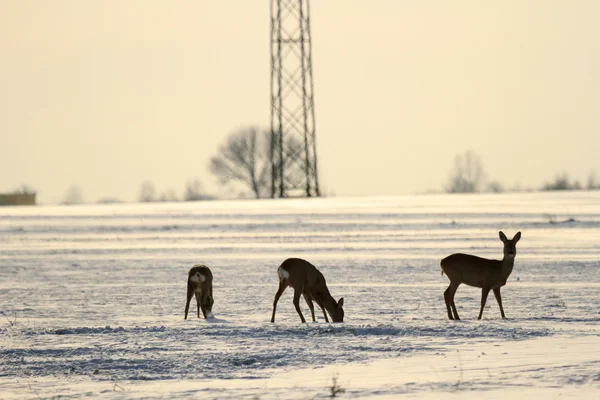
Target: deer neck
[329,303]
[507,265]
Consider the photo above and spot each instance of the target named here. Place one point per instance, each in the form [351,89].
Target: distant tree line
[468,176]
[243,161]
[194,191]
[562,182]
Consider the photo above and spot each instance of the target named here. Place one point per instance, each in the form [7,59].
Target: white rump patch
[198,277]
[283,274]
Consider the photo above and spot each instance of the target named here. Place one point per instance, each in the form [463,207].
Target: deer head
[510,246]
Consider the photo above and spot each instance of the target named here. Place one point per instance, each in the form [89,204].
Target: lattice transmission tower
[293,147]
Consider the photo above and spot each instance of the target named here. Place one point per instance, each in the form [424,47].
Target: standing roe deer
[479,272]
[200,284]
[306,280]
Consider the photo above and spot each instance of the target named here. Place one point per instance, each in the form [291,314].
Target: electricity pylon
[293,147]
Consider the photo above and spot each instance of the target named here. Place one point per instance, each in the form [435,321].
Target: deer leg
[325,314]
[321,305]
[208,302]
[454,305]
[448,300]
[282,287]
[310,305]
[297,293]
[499,299]
[187,303]
[202,305]
[484,295]
[199,304]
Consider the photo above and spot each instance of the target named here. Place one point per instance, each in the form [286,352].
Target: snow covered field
[92,299]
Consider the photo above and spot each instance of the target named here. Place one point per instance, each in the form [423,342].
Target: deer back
[303,275]
[472,270]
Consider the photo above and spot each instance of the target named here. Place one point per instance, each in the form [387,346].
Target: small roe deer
[200,284]
[306,280]
[479,272]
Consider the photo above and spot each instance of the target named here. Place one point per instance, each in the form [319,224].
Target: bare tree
[468,174]
[74,195]
[147,192]
[245,158]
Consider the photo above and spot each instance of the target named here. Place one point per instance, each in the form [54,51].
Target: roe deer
[200,284]
[479,272]
[306,280]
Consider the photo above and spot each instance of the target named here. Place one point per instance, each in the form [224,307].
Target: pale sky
[105,94]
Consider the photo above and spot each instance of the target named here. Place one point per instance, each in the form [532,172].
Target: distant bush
[562,182]
[109,200]
[168,196]
[495,187]
[74,195]
[194,191]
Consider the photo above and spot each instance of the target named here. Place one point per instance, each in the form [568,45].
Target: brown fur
[479,272]
[202,290]
[308,281]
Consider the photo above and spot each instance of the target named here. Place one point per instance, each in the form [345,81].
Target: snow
[92,299]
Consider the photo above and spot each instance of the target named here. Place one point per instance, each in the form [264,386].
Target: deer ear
[502,236]
[517,237]
[341,303]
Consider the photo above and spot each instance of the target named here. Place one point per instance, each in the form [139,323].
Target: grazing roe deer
[308,281]
[200,284]
[479,272]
